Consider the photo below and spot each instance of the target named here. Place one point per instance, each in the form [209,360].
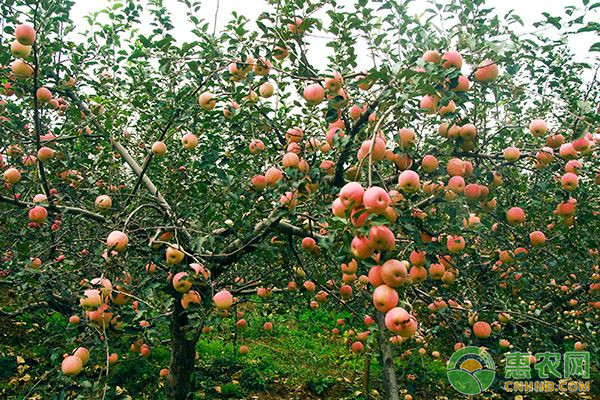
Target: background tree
[153,188]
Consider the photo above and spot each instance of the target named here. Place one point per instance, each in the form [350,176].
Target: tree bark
[390,385]
[183,355]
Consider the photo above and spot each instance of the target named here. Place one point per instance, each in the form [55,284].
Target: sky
[530,11]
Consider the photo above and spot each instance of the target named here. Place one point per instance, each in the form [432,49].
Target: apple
[182,282]
[351,195]
[400,322]
[259,182]
[456,167]
[207,101]
[45,154]
[452,59]
[164,372]
[378,149]
[25,34]
[455,244]
[394,272]
[482,329]
[581,144]
[429,103]
[21,70]
[407,138]
[569,181]
[448,108]
[360,247]
[511,153]
[189,141]
[103,202]
[12,175]
[385,298]
[273,175]
[223,300]
[567,151]
[71,365]
[555,141]
[537,238]
[431,56]
[83,354]
[472,191]
[290,160]
[381,238]
[314,94]
[357,347]
[462,85]
[409,181]
[294,134]
[20,50]
[374,276]
[268,326]
[173,254]
[436,271]
[266,90]
[91,299]
[38,214]
[74,319]
[487,71]
[244,350]
[429,163]
[44,95]
[456,184]
[573,166]
[538,127]
[376,200]
[117,241]
[159,148]
[515,216]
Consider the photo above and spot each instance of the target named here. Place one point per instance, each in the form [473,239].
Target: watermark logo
[471,370]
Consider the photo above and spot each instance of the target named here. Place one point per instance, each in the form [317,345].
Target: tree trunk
[183,355]
[390,386]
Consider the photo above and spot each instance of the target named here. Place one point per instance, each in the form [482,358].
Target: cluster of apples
[357,203]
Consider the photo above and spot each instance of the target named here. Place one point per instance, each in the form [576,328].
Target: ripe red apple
[71,365]
[117,241]
[381,238]
[290,160]
[569,181]
[83,354]
[394,272]
[38,214]
[223,300]
[244,350]
[74,319]
[376,200]
[456,184]
[314,94]
[385,298]
[409,181]
[400,322]
[482,329]
[182,282]
[44,95]
[273,175]
[511,153]
[452,59]
[429,163]
[12,175]
[259,182]
[487,71]
[351,195]
[164,372]
[266,90]
[538,127]
[25,34]
[360,247]
[103,202]
[537,238]
[456,167]
[463,84]
[268,326]
[515,216]
[455,244]
[91,299]
[429,103]
[431,56]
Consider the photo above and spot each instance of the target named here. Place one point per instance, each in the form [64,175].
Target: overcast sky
[530,10]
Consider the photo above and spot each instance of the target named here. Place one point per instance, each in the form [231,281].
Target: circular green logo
[471,370]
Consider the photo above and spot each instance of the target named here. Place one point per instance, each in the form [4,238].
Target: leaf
[595,47]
